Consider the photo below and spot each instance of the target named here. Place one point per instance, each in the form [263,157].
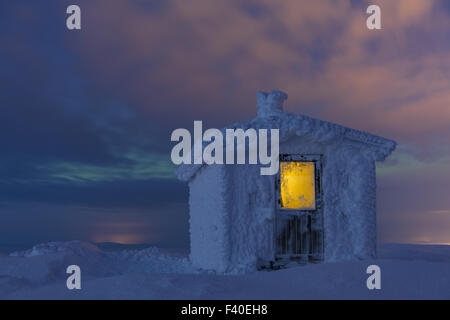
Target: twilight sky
[86,116]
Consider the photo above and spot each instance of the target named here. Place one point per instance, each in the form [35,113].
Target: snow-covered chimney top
[269,104]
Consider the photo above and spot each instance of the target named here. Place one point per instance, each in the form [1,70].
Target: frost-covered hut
[321,206]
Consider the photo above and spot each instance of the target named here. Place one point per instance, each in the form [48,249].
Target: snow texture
[407,272]
[233,207]
[272,116]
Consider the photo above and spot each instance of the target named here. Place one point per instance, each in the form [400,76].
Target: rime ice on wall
[209,219]
[250,204]
[233,207]
[231,219]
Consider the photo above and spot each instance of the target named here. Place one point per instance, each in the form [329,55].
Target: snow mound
[72,247]
[54,257]
[154,260]
[408,272]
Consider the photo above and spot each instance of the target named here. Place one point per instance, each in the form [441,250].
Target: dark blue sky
[86,116]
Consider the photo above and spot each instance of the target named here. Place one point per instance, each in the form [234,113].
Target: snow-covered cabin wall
[209,219]
[233,208]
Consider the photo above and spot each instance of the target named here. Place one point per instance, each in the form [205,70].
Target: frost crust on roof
[272,116]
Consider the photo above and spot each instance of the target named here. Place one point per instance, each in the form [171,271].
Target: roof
[272,116]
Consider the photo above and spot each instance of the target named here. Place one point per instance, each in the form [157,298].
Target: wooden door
[299,218]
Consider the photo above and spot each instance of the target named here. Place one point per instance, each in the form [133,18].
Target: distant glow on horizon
[123,231]
[428,243]
[129,238]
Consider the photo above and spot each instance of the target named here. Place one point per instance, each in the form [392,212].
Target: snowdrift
[407,272]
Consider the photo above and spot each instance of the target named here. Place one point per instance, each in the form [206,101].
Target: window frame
[317,160]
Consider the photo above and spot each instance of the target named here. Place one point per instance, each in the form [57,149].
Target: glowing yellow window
[297,185]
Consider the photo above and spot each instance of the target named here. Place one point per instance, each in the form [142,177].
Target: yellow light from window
[297,185]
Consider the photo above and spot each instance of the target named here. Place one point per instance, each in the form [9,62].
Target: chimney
[270,104]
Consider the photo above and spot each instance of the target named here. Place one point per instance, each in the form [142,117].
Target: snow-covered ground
[407,272]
